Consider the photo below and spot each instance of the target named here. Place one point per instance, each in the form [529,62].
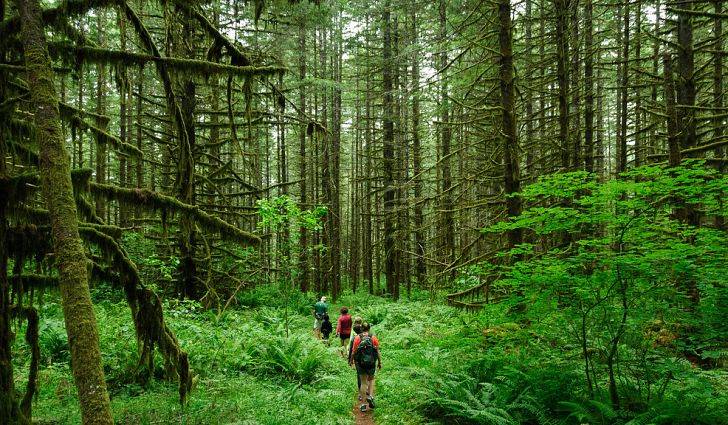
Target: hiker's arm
[351,351]
[379,357]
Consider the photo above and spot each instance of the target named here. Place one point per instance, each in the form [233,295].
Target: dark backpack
[366,353]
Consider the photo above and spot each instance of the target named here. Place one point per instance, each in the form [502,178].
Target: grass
[439,365]
[247,370]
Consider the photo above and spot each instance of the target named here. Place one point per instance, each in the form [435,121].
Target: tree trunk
[302,174]
[101,153]
[419,221]
[447,226]
[335,201]
[624,98]
[672,124]
[576,155]
[718,74]
[686,78]
[70,257]
[512,180]
[562,55]
[388,152]
[589,88]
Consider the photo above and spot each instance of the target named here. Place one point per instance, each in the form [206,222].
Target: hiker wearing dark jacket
[367,358]
[326,327]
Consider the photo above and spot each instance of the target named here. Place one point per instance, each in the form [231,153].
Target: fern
[459,398]
[592,412]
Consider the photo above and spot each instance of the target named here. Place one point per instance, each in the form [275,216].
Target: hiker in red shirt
[367,359]
[343,327]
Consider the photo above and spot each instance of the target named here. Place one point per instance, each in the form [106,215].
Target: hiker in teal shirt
[319,309]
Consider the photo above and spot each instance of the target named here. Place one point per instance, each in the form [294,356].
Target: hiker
[367,359]
[319,309]
[343,327]
[326,328]
[356,330]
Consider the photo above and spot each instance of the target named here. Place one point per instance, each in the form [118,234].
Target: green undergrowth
[440,365]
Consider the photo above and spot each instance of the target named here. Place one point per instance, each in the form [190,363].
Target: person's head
[344,310]
[365,327]
[356,324]
[326,317]
[323,299]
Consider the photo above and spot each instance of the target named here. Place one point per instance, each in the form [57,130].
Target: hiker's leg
[317,328]
[370,386]
[363,384]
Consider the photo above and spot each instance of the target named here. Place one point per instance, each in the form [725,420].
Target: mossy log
[157,201]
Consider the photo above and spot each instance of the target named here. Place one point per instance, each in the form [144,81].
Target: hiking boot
[370,400]
[363,407]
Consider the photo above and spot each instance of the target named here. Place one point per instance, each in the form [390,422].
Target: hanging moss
[70,110]
[238,58]
[146,309]
[16,189]
[157,201]
[35,281]
[22,153]
[87,210]
[9,104]
[55,16]
[101,135]
[24,214]
[110,248]
[85,54]
[30,314]
[80,178]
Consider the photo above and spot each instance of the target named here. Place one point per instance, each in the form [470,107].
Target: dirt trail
[362,418]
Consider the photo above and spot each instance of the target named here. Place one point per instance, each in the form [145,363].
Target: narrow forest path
[362,418]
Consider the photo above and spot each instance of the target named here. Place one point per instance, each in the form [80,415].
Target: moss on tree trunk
[58,192]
